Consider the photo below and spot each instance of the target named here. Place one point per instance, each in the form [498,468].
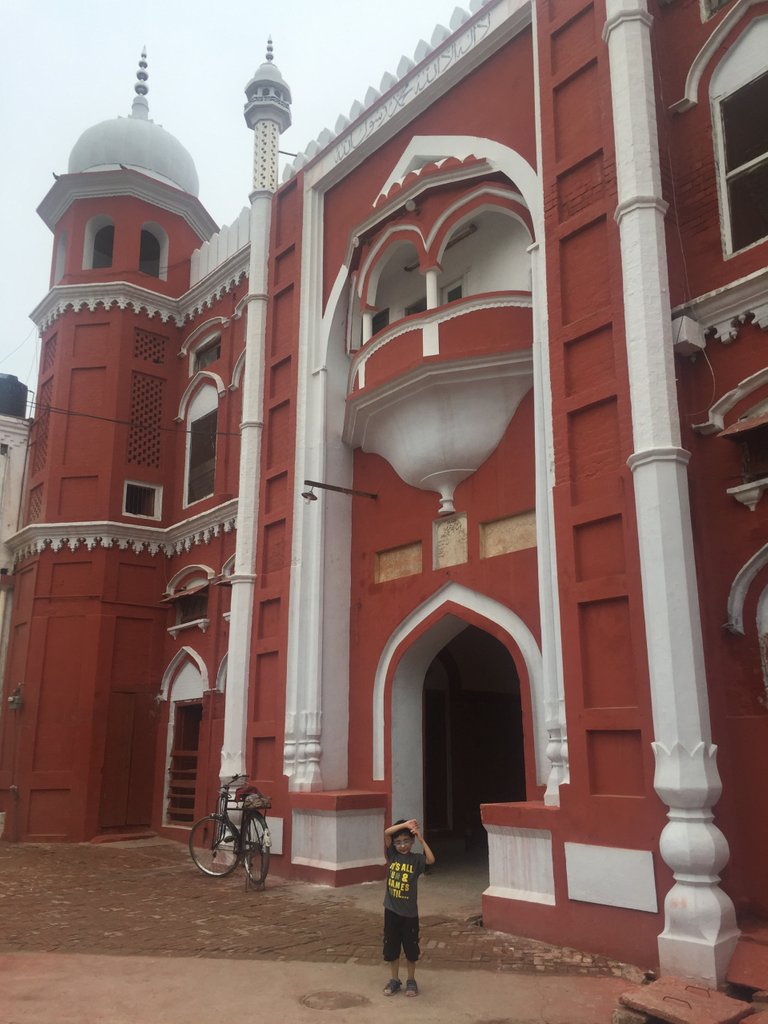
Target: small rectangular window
[208,353]
[141,500]
[416,307]
[192,607]
[380,321]
[201,468]
[453,291]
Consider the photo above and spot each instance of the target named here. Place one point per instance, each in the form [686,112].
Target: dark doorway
[184,762]
[473,734]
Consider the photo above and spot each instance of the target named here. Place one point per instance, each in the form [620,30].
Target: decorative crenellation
[446,47]
[174,540]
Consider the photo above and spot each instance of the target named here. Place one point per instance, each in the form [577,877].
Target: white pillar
[700,927]
[549,608]
[243,579]
[433,297]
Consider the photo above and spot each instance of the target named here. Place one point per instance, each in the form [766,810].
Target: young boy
[401,912]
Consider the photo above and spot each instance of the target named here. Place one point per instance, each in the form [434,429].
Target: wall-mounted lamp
[16,700]
[309,495]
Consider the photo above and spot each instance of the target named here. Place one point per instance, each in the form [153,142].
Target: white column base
[702,961]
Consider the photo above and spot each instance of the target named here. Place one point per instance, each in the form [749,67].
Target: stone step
[679,1002]
[749,964]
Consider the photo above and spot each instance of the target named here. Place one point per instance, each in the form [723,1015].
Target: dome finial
[140,107]
[270,50]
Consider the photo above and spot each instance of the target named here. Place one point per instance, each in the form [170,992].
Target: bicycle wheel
[256,848]
[213,845]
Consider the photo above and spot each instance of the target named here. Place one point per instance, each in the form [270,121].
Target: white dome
[139,144]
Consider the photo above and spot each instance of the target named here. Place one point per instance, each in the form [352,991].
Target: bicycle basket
[252,798]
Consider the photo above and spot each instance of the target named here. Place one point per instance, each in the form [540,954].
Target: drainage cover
[333,1000]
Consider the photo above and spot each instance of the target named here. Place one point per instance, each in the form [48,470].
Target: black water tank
[13,396]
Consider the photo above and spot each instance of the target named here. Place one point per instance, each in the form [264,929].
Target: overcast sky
[69,64]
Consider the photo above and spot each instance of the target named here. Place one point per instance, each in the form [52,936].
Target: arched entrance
[473,734]
[500,644]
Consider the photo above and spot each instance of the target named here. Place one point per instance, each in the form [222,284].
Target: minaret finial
[140,106]
[270,50]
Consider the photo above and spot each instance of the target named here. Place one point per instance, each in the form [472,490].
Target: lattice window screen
[42,425]
[149,347]
[146,416]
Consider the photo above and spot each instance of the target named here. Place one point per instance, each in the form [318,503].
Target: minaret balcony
[433,393]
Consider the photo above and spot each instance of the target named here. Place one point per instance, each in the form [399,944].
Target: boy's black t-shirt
[403,871]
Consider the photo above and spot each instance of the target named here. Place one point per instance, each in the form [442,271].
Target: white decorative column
[433,294]
[700,926]
[549,609]
[267,113]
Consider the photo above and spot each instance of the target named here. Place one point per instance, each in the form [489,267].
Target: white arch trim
[742,581]
[212,325]
[201,378]
[237,372]
[198,570]
[493,193]
[696,71]
[182,657]
[501,158]
[716,417]
[487,608]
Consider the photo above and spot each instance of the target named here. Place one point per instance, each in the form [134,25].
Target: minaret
[267,113]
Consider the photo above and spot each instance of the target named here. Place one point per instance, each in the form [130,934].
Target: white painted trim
[742,581]
[197,529]
[197,569]
[213,324]
[701,61]
[520,864]
[485,607]
[611,877]
[199,381]
[178,660]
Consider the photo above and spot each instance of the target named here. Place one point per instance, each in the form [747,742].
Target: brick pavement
[148,899]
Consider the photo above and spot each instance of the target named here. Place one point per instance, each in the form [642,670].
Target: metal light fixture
[309,495]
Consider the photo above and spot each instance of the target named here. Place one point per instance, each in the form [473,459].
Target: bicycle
[217,844]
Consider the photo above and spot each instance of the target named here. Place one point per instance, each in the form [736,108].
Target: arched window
[98,243]
[202,424]
[738,93]
[153,250]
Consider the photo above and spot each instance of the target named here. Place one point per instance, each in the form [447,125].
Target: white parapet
[338,840]
[520,864]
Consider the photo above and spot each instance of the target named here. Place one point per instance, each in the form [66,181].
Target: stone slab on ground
[749,964]
[678,1002]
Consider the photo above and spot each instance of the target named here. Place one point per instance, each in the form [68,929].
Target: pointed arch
[199,381]
[187,655]
[409,650]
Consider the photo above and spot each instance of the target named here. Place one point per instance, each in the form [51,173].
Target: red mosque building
[427,486]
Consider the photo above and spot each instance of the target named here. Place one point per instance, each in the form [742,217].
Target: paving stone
[149,899]
[749,964]
[623,1015]
[678,1002]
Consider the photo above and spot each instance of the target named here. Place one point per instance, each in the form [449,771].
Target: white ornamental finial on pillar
[268,114]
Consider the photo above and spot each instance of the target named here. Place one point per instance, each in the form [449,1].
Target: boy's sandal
[411,988]
[392,987]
